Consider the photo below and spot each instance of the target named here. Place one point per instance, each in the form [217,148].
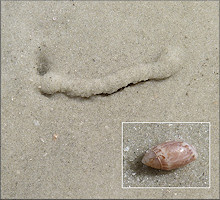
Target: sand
[60,146]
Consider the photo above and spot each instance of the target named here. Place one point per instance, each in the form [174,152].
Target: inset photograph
[165,154]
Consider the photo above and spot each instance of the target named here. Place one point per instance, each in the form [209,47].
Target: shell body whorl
[170,155]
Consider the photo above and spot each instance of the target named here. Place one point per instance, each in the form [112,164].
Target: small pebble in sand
[42,140]
[170,155]
[36,123]
[55,136]
[126,149]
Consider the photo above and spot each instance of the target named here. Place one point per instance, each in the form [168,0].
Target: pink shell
[170,155]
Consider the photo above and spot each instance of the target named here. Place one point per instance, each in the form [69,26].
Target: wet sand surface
[63,146]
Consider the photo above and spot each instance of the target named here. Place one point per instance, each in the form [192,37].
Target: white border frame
[167,187]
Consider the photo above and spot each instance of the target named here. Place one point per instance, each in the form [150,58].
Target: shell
[170,155]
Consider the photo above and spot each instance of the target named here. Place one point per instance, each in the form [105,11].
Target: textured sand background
[91,40]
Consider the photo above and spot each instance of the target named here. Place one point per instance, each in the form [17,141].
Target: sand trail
[167,64]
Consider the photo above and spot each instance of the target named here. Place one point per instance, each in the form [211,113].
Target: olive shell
[170,155]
